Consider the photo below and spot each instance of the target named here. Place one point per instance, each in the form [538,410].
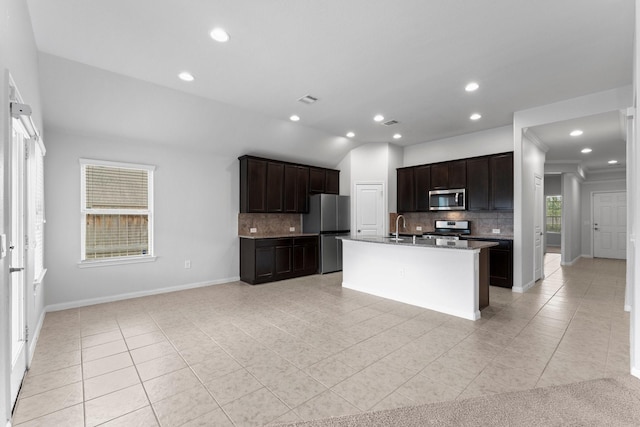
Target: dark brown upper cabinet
[253,181]
[405,187]
[296,188]
[501,176]
[449,175]
[332,182]
[478,184]
[275,187]
[422,179]
[317,180]
[272,186]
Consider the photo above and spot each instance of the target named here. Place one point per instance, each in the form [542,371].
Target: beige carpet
[603,402]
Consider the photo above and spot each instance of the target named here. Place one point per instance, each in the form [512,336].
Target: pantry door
[369,209]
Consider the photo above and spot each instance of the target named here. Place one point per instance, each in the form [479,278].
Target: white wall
[196,207]
[18,56]
[571,218]
[587,190]
[492,141]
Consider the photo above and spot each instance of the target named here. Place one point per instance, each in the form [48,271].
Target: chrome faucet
[404,225]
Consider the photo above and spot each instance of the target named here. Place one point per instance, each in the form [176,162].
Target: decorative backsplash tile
[268,224]
[482,223]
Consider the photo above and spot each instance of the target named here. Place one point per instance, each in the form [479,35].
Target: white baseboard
[524,288]
[627,308]
[33,339]
[635,372]
[573,261]
[120,297]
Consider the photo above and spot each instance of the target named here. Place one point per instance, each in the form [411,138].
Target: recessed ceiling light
[612,162]
[472,87]
[397,136]
[586,150]
[294,118]
[475,116]
[350,134]
[186,76]
[378,117]
[576,132]
[219,35]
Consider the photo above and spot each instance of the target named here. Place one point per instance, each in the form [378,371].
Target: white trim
[113,164]
[116,261]
[120,297]
[573,261]
[524,288]
[38,280]
[33,339]
[627,308]
[635,372]
[149,212]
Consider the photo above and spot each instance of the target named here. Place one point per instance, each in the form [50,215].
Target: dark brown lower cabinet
[500,262]
[271,259]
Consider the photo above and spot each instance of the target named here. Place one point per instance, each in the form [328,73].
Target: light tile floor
[236,354]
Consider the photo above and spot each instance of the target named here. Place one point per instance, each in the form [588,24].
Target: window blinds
[116,212]
[116,188]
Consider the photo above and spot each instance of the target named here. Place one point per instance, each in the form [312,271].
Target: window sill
[115,261]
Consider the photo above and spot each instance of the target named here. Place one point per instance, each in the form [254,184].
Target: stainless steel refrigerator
[329,215]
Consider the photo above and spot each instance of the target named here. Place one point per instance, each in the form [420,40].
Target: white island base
[440,279]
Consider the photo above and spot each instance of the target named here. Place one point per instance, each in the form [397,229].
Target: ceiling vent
[390,122]
[308,99]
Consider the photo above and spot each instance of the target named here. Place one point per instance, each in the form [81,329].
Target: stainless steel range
[451,230]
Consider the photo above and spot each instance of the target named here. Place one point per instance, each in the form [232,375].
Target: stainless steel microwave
[448,200]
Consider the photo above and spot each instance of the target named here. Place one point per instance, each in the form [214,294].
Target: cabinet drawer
[262,243]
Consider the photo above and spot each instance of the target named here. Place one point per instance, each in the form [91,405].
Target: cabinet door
[501,176]
[405,190]
[265,262]
[500,268]
[305,256]
[256,185]
[332,182]
[317,177]
[302,189]
[290,186]
[275,187]
[439,176]
[478,184]
[458,174]
[422,180]
[283,259]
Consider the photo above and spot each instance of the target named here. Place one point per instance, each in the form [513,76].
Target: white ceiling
[408,60]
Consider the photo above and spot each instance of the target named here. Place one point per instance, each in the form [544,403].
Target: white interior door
[17,253]
[369,210]
[610,225]
[537,229]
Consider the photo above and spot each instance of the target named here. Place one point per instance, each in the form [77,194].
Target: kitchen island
[449,276]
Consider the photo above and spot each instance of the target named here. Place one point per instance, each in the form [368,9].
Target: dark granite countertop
[424,242]
[276,236]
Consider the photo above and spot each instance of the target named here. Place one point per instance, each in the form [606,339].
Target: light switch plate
[292,229]
[253,230]
[418,228]
[496,231]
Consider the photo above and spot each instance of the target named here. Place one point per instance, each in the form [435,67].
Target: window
[554,214]
[117,212]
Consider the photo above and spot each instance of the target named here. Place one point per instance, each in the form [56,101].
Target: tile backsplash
[482,223]
[268,224]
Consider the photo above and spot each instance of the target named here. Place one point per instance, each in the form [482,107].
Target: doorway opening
[553,224]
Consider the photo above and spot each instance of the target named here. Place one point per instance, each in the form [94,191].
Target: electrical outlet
[253,230]
[292,229]
[402,272]
[418,228]
[187,263]
[496,231]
